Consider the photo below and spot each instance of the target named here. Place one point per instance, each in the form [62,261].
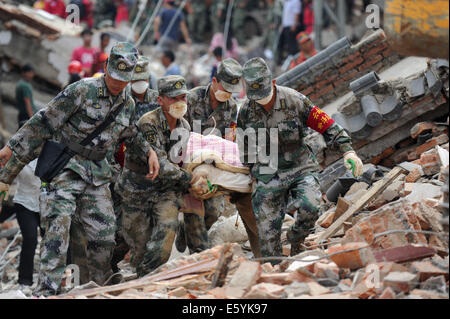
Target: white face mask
[139,87]
[222,96]
[267,99]
[178,109]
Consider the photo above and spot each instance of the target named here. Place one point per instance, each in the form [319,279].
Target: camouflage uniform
[135,169]
[81,188]
[151,219]
[197,20]
[296,174]
[229,73]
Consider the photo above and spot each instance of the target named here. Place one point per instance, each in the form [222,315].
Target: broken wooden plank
[375,190]
[221,272]
[197,267]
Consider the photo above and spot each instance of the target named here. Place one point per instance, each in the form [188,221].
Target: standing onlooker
[56,7]
[86,53]
[122,12]
[168,60]
[307,49]
[290,22]
[26,207]
[169,15]
[308,16]
[101,54]
[24,95]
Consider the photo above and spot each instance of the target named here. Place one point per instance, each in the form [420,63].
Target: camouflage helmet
[229,73]
[121,61]
[258,79]
[142,69]
[172,86]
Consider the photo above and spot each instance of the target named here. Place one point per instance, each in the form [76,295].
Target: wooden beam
[375,190]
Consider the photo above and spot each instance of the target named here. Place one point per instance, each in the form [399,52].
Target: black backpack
[81,6]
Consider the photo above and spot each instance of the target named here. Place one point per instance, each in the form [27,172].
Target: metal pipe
[150,22]
[227,27]
[172,22]
[136,19]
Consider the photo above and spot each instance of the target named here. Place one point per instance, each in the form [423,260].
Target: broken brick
[425,270]
[357,257]
[246,275]
[400,281]
[403,253]
[413,176]
[178,292]
[388,293]
[315,289]
[426,146]
[420,127]
[328,219]
[329,270]
[265,291]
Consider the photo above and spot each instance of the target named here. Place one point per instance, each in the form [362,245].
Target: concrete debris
[227,230]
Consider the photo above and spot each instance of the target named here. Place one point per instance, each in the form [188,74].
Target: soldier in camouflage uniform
[81,187]
[289,113]
[135,203]
[212,109]
[146,101]
[150,216]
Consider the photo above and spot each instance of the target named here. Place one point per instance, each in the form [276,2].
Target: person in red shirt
[86,53]
[307,49]
[87,16]
[56,7]
[308,16]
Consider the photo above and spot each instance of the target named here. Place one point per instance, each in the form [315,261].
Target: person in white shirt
[26,208]
[290,22]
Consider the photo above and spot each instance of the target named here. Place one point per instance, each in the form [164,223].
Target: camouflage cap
[258,79]
[172,85]
[142,69]
[229,73]
[121,61]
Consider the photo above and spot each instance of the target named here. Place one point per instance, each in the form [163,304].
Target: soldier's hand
[5,155]
[353,162]
[4,192]
[153,165]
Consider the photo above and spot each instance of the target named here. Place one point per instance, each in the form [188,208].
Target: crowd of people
[115,187]
[199,21]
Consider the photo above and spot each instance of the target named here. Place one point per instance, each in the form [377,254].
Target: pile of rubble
[383,239]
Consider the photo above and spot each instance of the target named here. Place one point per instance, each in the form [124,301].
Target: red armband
[120,155]
[318,120]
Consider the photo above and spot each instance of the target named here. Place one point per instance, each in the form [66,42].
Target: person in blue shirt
[169,39]
[168,60]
